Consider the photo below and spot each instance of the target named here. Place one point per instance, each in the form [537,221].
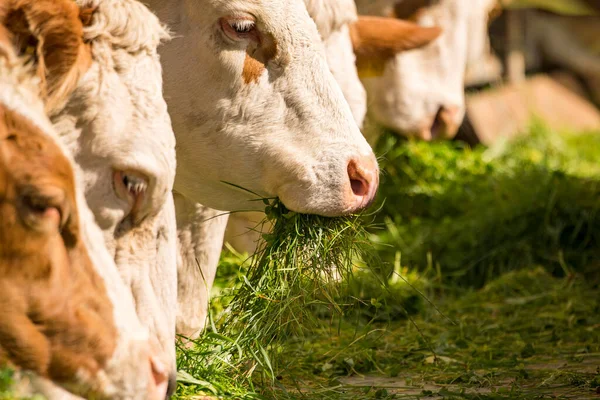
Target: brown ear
[377,39]
[53,32]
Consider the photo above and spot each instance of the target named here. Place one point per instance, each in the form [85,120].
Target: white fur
[200,231]
[417,83]
[117,120]
[128,371]
[331,16]
[342,63]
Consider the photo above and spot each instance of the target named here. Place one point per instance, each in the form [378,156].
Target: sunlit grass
[296,282]
[475,214]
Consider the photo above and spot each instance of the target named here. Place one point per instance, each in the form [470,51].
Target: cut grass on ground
[526,335]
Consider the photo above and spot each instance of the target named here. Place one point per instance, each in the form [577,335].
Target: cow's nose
[160,379]
[445,123]
[363,174]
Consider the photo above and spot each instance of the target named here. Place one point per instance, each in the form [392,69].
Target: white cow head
[68,316]
[253,104]
[116,125]
[354,45]
[421,93]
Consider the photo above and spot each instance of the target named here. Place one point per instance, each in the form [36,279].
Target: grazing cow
[421,93]
[354,46]
[65,313]
[116,126]
[256,110]
[263,113]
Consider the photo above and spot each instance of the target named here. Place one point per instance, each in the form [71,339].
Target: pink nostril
[358,183]
[363,174]
[359,187]
[360,179]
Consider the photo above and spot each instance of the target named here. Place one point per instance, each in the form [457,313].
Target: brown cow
[55,317]
[58,284]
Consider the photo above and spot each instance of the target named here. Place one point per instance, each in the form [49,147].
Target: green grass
[484,286]
[525,334]
[295,283]
[475,214]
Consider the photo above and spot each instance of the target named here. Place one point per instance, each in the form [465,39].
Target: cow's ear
[50,34]
[377,39]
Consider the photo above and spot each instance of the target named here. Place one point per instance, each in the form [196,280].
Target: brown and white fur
[66,314]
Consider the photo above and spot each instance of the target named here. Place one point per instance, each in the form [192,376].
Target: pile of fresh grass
[469,215]
[298,275]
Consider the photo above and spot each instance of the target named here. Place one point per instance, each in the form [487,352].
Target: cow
[257,113]
[420,94]
[65,313]
[116,125]
[355,46]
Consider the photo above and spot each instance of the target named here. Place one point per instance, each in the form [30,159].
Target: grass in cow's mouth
[295,282]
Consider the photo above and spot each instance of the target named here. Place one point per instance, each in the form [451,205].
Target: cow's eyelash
[242,25]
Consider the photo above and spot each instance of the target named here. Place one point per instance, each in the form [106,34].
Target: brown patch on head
[378,39]
[253,69]
[56,318]
[51,33]
[258,57]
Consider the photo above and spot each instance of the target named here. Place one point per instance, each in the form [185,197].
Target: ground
[526,335]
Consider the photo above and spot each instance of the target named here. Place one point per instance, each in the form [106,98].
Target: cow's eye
[239,28]
[44,210]
[132,187]
[242,26]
